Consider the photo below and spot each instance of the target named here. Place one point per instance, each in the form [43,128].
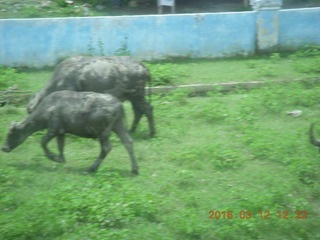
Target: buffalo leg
[45,140]
[60,141]
[149,113]
[141,107]
[137,118]
[105,149]
[126,140]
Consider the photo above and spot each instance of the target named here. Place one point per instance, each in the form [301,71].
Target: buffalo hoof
[91,170]
[56,158]
[60,160]
[135,171]
[152,135]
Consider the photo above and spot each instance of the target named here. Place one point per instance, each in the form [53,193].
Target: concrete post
[267,36]
[169,3]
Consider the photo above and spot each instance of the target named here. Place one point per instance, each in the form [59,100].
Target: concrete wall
[299,27]
[41,42]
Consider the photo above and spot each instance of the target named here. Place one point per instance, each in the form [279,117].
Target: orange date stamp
[258,215]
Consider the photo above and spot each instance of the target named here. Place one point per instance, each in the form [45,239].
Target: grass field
[238,154]
[303,64]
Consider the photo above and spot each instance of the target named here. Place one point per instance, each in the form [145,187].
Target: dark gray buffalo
[85,114]
[121,76]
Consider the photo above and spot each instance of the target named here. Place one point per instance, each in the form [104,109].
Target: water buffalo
[85,114]
[121,76]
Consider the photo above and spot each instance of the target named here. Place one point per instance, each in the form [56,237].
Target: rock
[295,113]
[70,2]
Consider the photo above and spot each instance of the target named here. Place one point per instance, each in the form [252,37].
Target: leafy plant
[267,71]
[311,66]
[61,3]
[165,73]
[123,50]
[97,50]
[307,51]
[95,2]
[9,77]
[214,109]
[275,57]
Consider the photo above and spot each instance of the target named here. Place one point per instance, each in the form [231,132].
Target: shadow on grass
[124,173]
[73,170]
[143,135]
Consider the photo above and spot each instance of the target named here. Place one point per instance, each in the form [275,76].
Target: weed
[61,3]
[311,66]
[9,77]
[165,73]
[308,51]
[252,64]
[97,50]
[275,57]
[123,50]
[212,110]
[267,71]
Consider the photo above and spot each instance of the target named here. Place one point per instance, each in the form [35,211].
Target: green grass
[302,64]
[277,66]
[236,152]
[248,156]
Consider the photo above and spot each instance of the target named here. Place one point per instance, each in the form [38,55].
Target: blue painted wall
[299,27]
[38,42]
[41,42]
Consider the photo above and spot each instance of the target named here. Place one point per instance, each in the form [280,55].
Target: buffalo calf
[85,114]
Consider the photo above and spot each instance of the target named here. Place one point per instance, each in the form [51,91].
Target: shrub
[9,77]
[311,52]
[164,73]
